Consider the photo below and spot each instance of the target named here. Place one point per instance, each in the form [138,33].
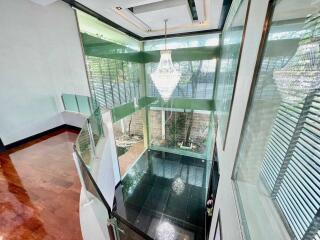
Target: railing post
[64,105]
[75,96]
[93,150]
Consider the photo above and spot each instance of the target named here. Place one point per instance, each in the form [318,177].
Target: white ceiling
[147,17]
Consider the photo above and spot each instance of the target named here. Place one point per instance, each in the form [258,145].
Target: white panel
[73,119]
[200,9]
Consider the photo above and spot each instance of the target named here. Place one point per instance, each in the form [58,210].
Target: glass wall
[180,130]
[119,73]
[183,124]
[129,137]
[114,63]
[207,40]
[197,79]
[231,42]
[277,174]
[113,82]
[194,56]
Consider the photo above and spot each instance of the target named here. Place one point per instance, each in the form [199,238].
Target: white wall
[225,199]
[40,58]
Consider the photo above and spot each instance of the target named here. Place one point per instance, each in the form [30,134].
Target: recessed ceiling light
[119,8]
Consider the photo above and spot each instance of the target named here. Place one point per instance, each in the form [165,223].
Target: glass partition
[129,137]
[114,82]
[277,176]
[84,104]
[183,42]
[119,79]
[115,226]
[96,126]
[89,136]
[70,102]
[182,125]
[180,131]
[114,63]
[197,79]
[83,145]
[231,44]
[77,103]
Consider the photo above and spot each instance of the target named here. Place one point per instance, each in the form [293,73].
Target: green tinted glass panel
[84,104]
[185,132]
[231,41]
[83,145]
[183,42]
[95,121]
[196,82]
[70,102]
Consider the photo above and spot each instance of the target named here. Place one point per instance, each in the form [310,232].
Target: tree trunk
[129,128]
[187,139]
[194,84]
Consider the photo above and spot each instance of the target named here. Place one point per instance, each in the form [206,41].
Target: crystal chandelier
[301,75]
[166,77]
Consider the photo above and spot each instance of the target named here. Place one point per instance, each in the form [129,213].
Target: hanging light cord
[165,34]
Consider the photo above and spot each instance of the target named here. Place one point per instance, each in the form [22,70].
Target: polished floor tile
[165,192]
[39,190]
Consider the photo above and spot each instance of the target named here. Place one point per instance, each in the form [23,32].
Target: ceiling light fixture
[119,8]
[301,75]
[166,77]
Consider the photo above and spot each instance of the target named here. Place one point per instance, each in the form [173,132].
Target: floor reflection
[39,190]
[164,194]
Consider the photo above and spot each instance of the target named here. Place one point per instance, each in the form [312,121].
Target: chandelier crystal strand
[166,77]
[301,74]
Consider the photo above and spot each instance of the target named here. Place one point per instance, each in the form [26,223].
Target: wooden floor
[39,190]
[126,160]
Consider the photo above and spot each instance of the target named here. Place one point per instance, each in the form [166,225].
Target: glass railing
[89,136]
[95,124]
[77,103]
[85,147]
[85,150]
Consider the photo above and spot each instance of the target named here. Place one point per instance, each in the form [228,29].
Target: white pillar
[225,198]
[123,130]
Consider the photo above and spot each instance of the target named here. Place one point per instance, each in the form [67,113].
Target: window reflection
[231,40]
[277,172]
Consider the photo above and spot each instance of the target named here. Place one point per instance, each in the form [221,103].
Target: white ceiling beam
[43,2]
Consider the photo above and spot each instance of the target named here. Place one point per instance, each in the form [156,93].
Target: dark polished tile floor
[164,195]
[39,190]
